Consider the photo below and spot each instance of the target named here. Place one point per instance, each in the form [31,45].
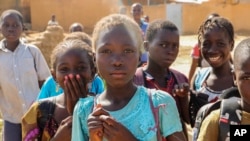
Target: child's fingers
[99,111]
[108,119]
[83,90]
[74,86]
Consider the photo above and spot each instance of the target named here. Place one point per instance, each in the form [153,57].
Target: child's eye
[163,45]
[175,46]
[246,78]
[129,51]
[221,44]
[6,25]
[81,68]
[16,25]
[63,69]
[106,51]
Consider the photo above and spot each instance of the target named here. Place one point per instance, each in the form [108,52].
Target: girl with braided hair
[216,41]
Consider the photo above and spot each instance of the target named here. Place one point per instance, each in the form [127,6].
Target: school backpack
[139,78]
[230,113]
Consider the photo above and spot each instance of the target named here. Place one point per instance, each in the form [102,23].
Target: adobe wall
[84,11]
[88,12]
[7,4]
[193,15]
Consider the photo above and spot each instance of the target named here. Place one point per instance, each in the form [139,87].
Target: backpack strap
[231,113]
[33,55]
[201,115]
[139,77]
[155,111]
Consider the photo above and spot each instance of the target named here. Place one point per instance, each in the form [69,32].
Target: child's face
[216,47]
[11,27]
[72,62]
[242,78]
[136,11]
[117,55]
[164,48]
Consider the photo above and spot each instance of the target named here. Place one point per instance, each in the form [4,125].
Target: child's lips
[214,58]
[118,74]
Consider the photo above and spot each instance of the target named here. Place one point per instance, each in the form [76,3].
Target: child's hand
[181,90]
[114,131]
[95,124]
[75,88]
[63,133]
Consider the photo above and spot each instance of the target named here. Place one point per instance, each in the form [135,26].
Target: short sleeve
[195,52]
[209,130]
[49,89]
[97,85]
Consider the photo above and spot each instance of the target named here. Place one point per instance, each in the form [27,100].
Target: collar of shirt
[3,47]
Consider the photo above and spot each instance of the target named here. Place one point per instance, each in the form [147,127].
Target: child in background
[53,21]
[117,113]
[197,60]
[76,27]
[210,126]
[51,87]
[216,41]
[137,13]
[162,45]
[23,70]
[50,119]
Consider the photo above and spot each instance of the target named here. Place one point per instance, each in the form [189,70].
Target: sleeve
[80,115]
[209,130]
[97,85]
[195,52]
[29,121]
[41,65]
[168,113]
[44,92]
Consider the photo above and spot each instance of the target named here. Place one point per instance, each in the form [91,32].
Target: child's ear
[234,77]
[145,45]
[232,47]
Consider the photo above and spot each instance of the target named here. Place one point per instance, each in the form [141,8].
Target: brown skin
[73,72]
[216,44]
[117,57]
[242,79]
[137,12]
[12,29]
[163,50]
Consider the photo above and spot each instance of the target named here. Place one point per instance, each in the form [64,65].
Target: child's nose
[117,59]
[213,48]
